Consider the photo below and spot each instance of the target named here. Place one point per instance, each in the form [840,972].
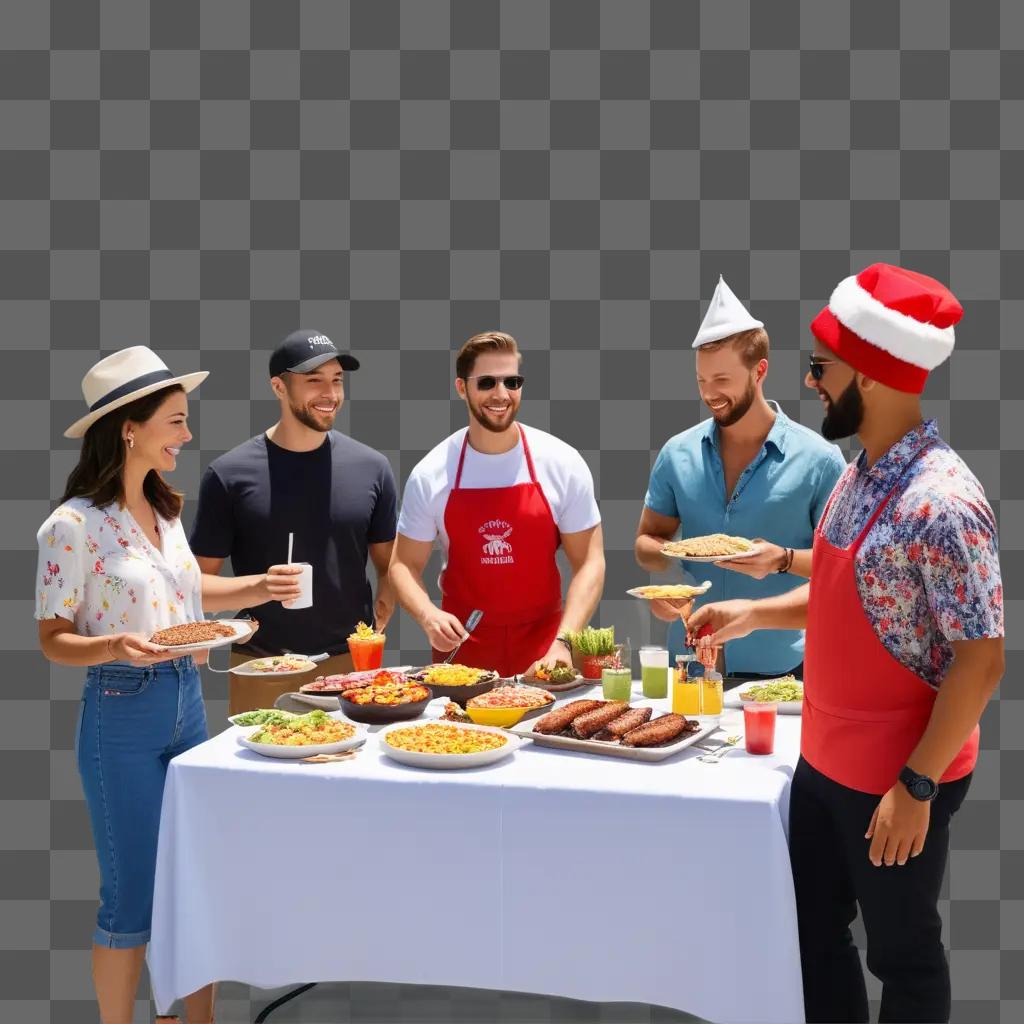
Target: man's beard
[308,419]
[735,412]
[481,417]
[843,416]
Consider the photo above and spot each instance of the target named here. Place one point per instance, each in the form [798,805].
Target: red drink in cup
[759,726]
[366,647]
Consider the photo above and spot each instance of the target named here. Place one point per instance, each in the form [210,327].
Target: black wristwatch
[920,787]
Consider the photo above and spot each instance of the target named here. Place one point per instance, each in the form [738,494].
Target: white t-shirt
[562,473]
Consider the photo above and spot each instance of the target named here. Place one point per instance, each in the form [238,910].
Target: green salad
[779,691]
[263,717]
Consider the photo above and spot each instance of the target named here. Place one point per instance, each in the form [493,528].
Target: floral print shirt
[928,571]
[98,568]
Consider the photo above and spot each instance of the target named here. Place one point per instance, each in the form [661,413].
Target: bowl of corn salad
[447,745]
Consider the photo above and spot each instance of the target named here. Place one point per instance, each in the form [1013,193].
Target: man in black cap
[335,495]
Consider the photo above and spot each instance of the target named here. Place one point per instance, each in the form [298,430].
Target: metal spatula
[471,623]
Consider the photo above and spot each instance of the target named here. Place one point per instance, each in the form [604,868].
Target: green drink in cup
[654,671]
[616,683]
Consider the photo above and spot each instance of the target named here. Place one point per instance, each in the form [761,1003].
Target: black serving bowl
[380,714]
[459,694]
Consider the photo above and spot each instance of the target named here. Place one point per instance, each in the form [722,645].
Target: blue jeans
[131,723]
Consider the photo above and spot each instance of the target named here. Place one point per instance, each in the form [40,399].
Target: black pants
[899,905]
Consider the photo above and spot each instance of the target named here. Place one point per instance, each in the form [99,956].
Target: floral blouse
[98,568]
[928,571]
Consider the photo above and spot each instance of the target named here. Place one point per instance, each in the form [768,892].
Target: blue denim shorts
[131,723]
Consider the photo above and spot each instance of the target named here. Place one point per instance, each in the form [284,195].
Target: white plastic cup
[305,598]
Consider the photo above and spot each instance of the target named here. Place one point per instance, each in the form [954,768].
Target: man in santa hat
[904,619]
[748,470]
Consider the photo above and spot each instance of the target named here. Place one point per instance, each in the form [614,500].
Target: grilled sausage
[561,718]
[653,734]
[632,719]
[594,721]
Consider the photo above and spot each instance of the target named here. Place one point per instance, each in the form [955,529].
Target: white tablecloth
[553,873]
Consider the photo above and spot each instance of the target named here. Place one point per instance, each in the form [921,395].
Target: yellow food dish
[454,675]
[502,718]
[307,731]
[668,592]
[708,546]
[440,738]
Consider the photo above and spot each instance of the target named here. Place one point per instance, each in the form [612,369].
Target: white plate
[449,761]
[732,698]
[525,730]
[240,627]
[711,559]
[245,670]
[295,753]
[703,588]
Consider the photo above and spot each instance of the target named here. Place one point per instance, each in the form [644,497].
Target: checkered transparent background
[400,174]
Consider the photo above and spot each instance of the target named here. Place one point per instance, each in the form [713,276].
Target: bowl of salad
[388,697]
[287,736]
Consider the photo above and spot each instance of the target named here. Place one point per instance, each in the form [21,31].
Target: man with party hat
[904,619]
[749,471]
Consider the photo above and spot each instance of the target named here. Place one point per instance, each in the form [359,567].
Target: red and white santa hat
[893,324]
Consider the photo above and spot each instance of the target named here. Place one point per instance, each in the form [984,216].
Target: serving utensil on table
[713,755]
[470,624]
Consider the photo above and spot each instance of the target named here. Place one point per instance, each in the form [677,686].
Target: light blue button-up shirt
[780,496]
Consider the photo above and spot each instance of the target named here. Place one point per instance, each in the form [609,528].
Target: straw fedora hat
[121,378]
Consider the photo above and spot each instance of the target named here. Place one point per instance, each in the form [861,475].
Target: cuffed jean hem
[119,940]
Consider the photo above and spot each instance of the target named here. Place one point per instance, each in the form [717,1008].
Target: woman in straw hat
[114,567]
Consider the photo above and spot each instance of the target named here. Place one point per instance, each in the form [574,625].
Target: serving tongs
[471,623]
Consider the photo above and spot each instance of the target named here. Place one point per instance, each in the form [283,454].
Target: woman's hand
[135,649]
[281,583]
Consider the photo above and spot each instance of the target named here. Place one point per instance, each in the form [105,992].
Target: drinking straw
[291,537]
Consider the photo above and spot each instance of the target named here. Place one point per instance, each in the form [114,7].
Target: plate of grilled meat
[616,728]
[201,636]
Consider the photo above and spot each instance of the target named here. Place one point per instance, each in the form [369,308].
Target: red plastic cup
[759,727]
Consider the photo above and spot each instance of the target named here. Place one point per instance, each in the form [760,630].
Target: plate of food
[332,686]
[278,665]
[447,745]
[616,729]
[456,682]
[785,692]
[318,732]
[388,697]
[201,636]
[712,547]
[670,591]
[505,705]
[556,678]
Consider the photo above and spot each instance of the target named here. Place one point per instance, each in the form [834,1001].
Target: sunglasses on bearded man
[488,382]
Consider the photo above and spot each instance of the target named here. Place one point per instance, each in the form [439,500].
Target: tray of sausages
[615,728]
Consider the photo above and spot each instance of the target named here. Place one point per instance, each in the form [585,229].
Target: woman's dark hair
[99,475]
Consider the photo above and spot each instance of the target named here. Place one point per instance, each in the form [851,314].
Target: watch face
[922,788]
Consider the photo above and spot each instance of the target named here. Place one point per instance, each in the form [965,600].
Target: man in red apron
[904,647]
[501,499]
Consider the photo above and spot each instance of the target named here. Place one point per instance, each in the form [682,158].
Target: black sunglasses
[818,367]
[488,382]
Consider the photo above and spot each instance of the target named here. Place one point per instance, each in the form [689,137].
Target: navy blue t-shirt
[337,500]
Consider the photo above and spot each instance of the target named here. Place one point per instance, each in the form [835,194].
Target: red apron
[864,711]
[501,559]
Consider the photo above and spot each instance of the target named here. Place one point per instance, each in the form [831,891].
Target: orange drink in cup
[366,646]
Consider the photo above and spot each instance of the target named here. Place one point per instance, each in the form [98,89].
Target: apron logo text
[496,549]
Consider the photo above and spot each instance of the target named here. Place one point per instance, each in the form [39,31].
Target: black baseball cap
[304,351]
